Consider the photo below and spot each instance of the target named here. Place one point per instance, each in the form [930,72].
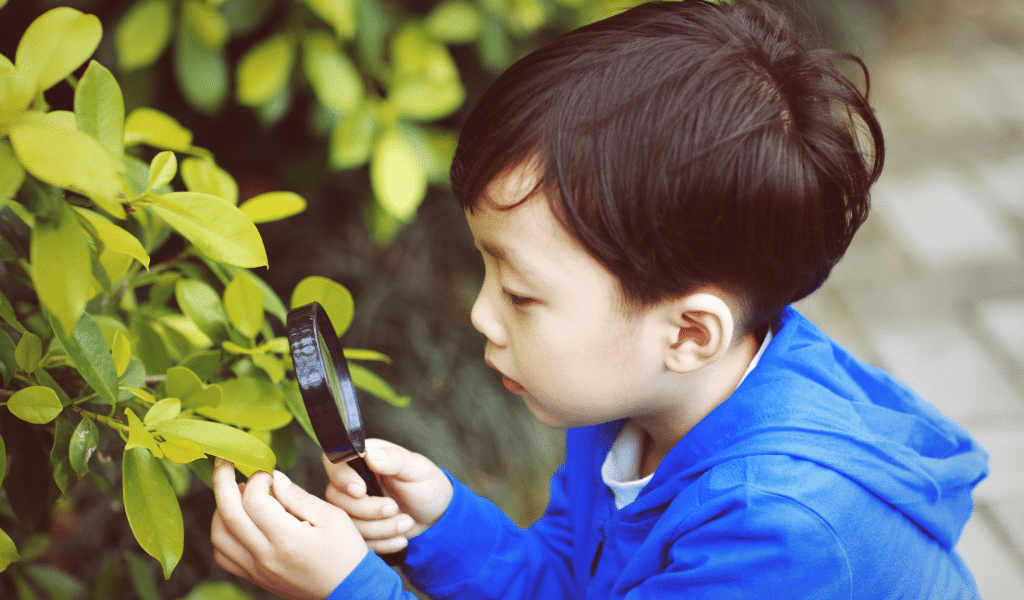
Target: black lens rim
[337,422]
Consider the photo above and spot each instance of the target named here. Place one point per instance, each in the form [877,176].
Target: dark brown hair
[688,143]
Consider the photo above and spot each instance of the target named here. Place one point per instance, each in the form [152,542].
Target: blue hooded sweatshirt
[819,477]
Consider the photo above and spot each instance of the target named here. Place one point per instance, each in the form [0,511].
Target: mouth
[510,384]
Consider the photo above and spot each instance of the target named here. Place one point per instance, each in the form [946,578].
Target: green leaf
[181,451]
[455,22]
[12,174]
[99,108]
[143,33]
[251,403]
[46,379]
[271,365]
[154,128]
[36,404]
[217,228]
[92,357]
[109,580]
[168,408]
[54,151]
[397,175]
[179,476]
[264,69]
[121,351]
[57,584]
[248,453]
[243,302]
[63,474]
[204,176]
[59,251]
[29,351]
[7,314]
[217,590]
[83,444]
[202,72]
[293,400]
[162,169]
[184,384]
[357,354]
[114,238]
[339,14]
[367,380]
[3,460]
[205,363]
[426,84]
[139,436]
[336,81]
[152,508]
[352,139]
[334,297]
[141,576]
[273,206]
[8,361]
[201,303]
[57,43]
[206,22]
[8,551]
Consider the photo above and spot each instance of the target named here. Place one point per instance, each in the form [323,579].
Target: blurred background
[330,98]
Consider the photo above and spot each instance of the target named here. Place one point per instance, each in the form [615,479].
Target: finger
[233,514]
[344,478]
[393,461]
[301,503]
[389,546]
[365,508]
[385,529]
[228,553]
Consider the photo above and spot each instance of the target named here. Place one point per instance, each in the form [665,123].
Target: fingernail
[281,478]
[389,510]
[405,523]
[354,489]
[376,456]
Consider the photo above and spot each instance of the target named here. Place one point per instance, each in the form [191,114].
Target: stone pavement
[932,289]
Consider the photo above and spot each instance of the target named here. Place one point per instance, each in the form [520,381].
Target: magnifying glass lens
[330,369]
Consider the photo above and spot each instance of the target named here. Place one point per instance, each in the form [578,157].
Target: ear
[702,325]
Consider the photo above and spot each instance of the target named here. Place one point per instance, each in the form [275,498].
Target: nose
[485,317]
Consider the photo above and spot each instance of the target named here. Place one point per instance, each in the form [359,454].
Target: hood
[808,397]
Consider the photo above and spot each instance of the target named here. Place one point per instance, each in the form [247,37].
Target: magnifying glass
[330,398]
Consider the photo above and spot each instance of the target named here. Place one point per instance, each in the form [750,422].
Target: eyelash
[517,300]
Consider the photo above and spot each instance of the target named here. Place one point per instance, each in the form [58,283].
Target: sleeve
[751,544]
[372,579]
[476,551]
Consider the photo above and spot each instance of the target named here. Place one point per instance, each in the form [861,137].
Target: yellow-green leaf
[37,404]
[28,352]
[57,43]
[206,21]
[141,394]
[217,228]
[154,128]
[335,80]
[243,301]
[251,403]
[339,14]
[139,436]
[183,383]
[425,100]
[115,238]
[83,444]
[60,268]
[88,351]
[143,34]
[168,408]
[204,176]
[352,139]
[273,206]
[162,169]
[99,108]
[198,300]
[12,174]
[64,156]
[152,508]
[360,354]
[264,69]
[455,22]
[248,453]
[16,93]
[8,551]
[334,297]
[121,350]
[181,451]
[397,175]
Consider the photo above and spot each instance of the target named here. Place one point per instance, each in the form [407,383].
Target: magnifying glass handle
[373,489]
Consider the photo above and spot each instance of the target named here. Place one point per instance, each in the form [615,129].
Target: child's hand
[296,546]
[419,494]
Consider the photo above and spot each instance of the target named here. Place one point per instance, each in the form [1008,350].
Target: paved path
[933,287]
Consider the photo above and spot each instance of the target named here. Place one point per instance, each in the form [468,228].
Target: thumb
[397,463]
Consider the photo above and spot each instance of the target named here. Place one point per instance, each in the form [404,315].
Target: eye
[517,300]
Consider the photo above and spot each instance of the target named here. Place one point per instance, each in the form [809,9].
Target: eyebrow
[500,254]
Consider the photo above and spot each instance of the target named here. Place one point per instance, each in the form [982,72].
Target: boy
[649,194]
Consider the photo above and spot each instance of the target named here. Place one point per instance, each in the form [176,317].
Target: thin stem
[111,421]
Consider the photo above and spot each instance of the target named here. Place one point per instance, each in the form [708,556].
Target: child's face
[552,316]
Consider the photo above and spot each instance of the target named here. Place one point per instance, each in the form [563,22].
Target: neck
[704,390]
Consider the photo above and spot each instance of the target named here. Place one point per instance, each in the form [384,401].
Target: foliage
[134,342]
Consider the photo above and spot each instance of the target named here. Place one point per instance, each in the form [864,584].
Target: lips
[510,384]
